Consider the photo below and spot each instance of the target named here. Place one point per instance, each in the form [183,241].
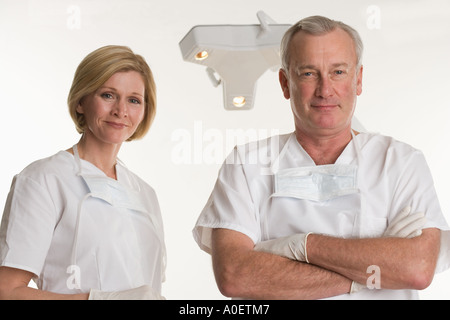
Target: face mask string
[77,225]
[357,225]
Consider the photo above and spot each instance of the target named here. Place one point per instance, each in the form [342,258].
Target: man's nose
[324,88]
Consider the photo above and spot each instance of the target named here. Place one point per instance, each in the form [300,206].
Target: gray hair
[318,25]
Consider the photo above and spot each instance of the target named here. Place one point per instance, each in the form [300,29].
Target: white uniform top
[391,175]
[49,222]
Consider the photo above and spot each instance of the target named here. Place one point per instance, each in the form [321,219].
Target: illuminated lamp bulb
[239,101]
[202,55]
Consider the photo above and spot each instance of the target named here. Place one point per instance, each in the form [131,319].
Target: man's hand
[406,225]
[291,247]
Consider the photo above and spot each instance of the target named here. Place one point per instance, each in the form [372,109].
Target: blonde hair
[96,68]
[318,25]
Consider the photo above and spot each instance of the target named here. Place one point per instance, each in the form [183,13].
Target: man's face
[322,83]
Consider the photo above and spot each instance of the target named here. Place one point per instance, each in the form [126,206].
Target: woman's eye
[135,101]
[107,95]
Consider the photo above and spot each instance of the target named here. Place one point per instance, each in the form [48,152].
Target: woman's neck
[102,155]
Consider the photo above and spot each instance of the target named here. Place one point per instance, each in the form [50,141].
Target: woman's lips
[116,125]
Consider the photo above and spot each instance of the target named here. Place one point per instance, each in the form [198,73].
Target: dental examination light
[237,54]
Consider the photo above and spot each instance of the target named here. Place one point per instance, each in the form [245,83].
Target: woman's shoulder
[60,164]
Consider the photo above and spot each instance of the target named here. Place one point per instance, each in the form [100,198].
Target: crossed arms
[240,271]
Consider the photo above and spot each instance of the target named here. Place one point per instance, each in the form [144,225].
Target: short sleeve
[230,205]
[416,188]
[28,222]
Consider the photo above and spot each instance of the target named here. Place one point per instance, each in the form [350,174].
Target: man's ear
[284,83]
[359,81]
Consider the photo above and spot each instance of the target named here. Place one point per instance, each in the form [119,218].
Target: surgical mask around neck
[113,192]
[316,183]
[110,190]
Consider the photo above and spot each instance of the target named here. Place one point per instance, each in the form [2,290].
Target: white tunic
[49,223]
[391,175]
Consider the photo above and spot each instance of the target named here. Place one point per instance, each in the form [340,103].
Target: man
[338,206]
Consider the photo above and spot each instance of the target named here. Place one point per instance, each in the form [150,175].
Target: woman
[79,223]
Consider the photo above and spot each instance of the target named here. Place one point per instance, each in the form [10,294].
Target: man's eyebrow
[305,66]
[312,67]
[340,64]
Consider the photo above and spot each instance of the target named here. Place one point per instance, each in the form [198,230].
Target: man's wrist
[306,246]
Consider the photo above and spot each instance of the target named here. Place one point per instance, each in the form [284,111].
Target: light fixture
[237,54]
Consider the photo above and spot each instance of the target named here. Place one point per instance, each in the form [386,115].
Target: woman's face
[116,109]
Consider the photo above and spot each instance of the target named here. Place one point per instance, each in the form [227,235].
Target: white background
[405,95]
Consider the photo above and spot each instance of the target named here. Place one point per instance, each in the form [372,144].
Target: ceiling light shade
[238,54]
